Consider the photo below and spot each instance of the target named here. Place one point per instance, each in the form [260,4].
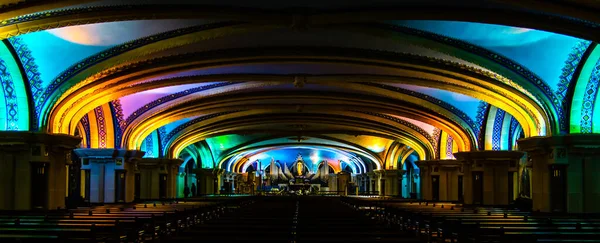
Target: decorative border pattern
[101,127]
[482,111]
[437,133]
[434,100]
[171,97]
[589,100]
[149,147]
[119,123]
[12,115]
[85,122]
[449,145]
[162,142]
[403,122]
[33,75]
[480,117]
[571,64]
[497,132]
[514,124]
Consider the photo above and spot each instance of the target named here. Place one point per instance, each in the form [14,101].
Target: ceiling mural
[233,87]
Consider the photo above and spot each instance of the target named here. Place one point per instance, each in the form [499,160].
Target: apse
[312,157]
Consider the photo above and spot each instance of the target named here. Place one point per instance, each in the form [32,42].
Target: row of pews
[294,219]
[142,222]
[328,219]
[449,222]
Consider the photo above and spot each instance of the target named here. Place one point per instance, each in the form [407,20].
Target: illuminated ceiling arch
[315,123]
[539,125]
[368,106]
[82,111]
[370,62]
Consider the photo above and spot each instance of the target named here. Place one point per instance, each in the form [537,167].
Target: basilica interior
[310,121]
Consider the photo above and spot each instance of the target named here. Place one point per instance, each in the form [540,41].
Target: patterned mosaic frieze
[10,98]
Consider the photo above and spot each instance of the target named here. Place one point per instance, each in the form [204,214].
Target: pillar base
[158,177]
[486,176]
[111,174]
[440,179]
[565,172]
[33,169]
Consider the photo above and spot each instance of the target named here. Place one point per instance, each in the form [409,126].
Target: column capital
[440,162]
[23,140]
[156,162]
[93,153]
[557,148]
[395,171]
[205,171]
[489,156]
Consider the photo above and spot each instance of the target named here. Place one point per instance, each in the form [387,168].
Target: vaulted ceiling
[224,83]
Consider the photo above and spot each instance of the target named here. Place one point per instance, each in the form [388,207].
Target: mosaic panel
[571,64]
[119,126]
[589,98]
[33,76]
[497,133]
[10,96]
[85,121]
[449,144]
[101,127]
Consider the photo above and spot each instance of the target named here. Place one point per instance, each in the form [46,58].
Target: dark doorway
[227,187]
[435,187]
[39,185]
[511,185]
[373,187]
[87,185]
[382,183]
[478,187]
[162,186]
[558,190]
[120,185]
[460,188]
[137,189]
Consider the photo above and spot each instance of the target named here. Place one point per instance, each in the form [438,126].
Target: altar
[299,176]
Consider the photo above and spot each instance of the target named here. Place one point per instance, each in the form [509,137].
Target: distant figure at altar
[299,168]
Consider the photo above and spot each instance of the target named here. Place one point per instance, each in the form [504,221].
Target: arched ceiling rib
[526,111]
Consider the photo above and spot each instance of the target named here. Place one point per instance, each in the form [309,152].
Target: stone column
[207,178]
[565,172]
[494,166]
[33,169]
[103,165]
[425,171]
[447,171]
[343,180]
[392,181]
[380,181]
[151,172]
